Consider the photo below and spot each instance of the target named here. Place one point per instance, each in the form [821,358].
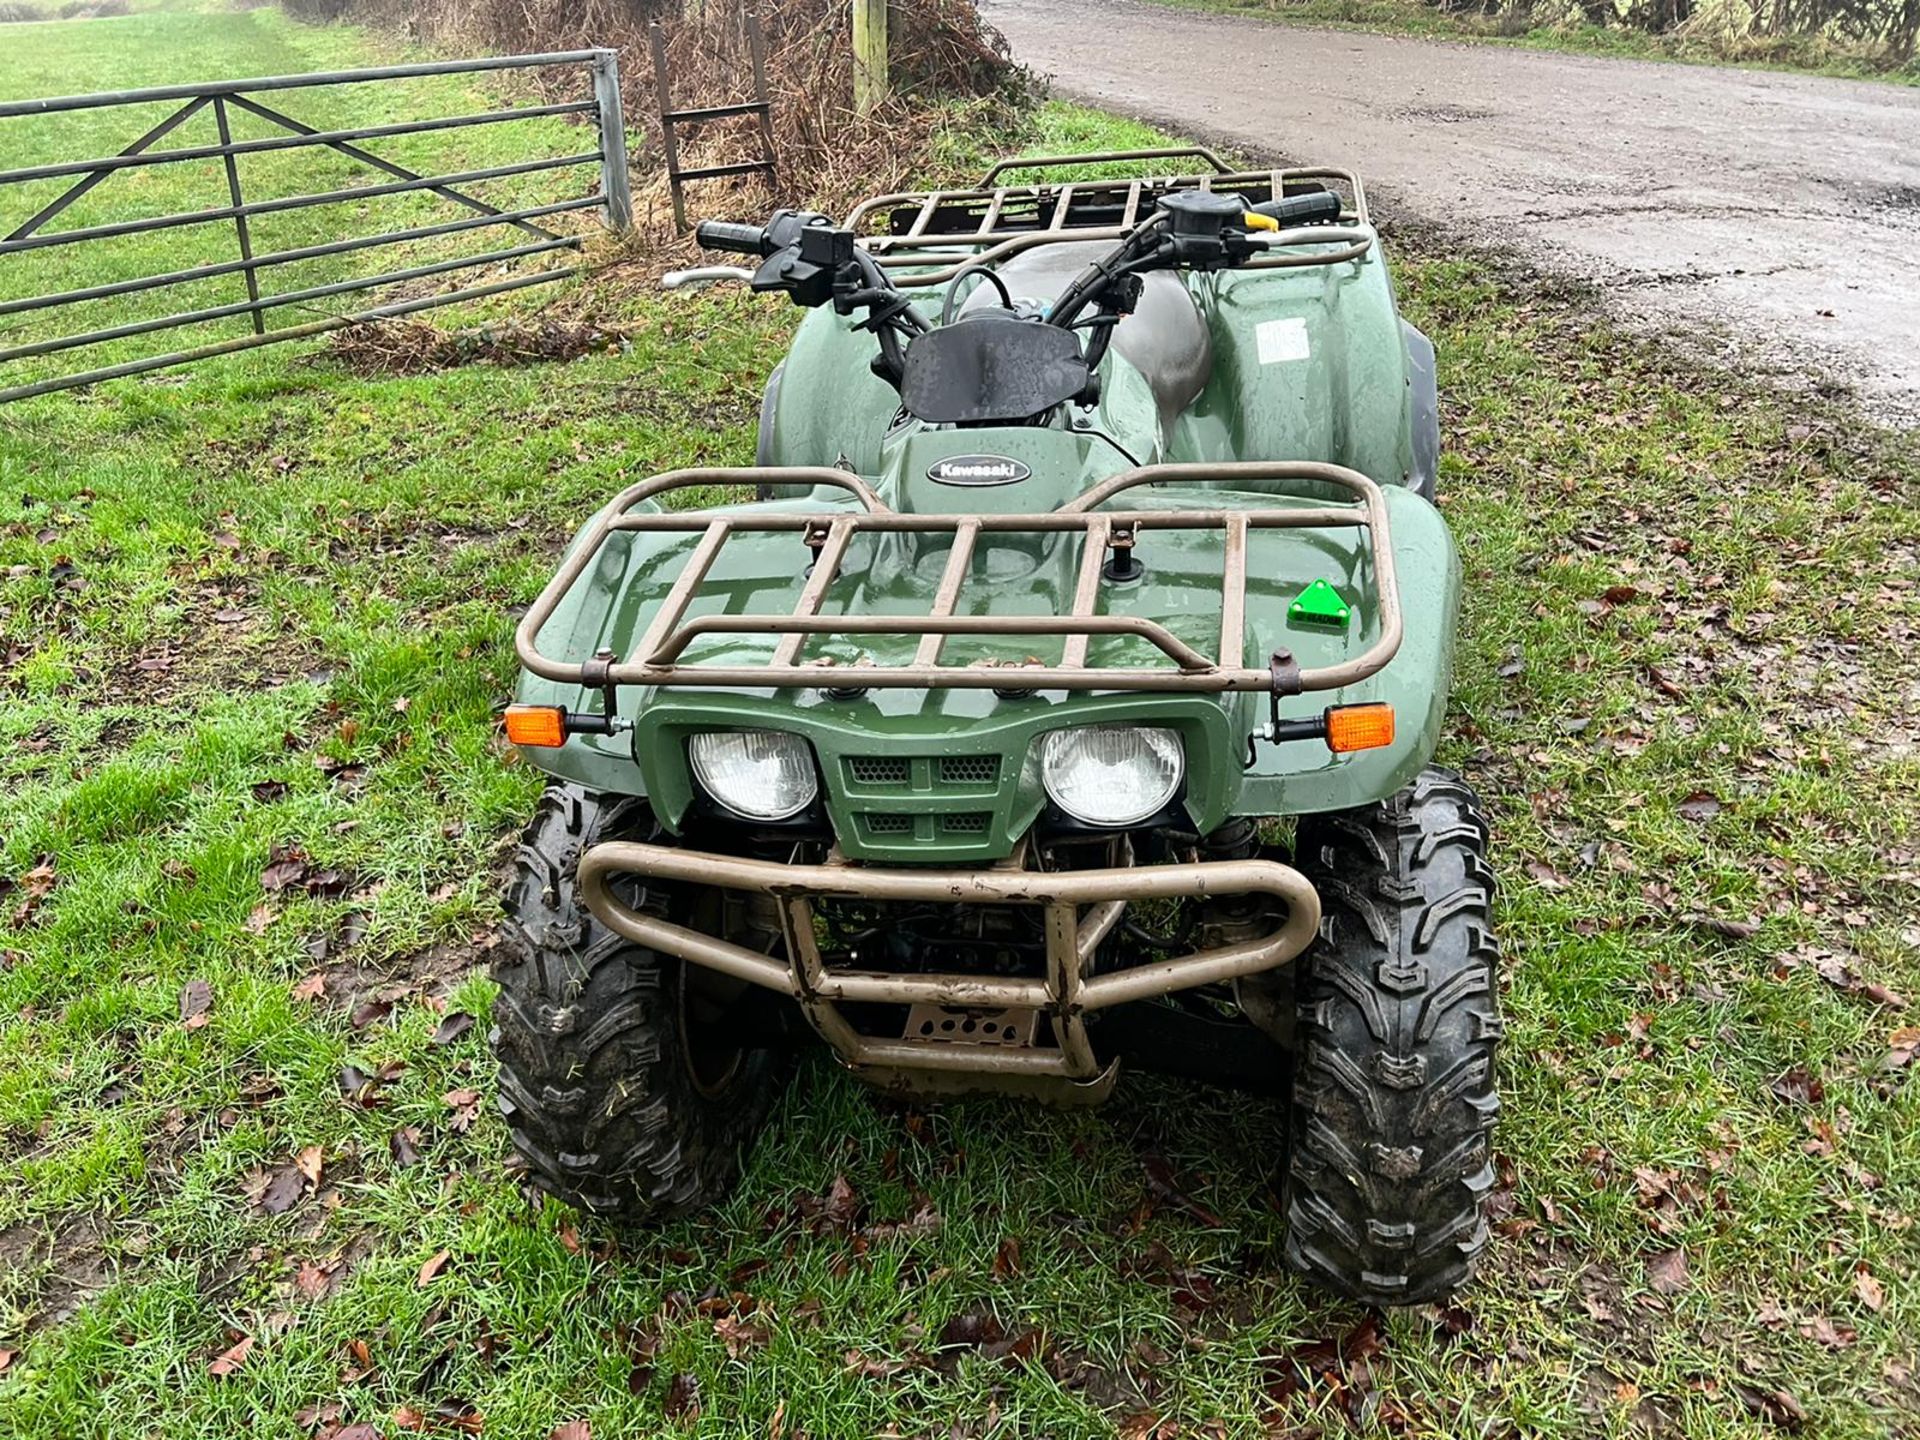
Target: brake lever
[703,275]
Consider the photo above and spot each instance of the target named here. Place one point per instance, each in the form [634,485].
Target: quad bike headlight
[758,774]
[1112,774]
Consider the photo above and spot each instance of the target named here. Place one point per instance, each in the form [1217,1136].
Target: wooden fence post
[869,54]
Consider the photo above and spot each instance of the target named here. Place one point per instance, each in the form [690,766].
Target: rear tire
[1397,1022]
[616,1096]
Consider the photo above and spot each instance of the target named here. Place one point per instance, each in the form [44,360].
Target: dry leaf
[433,1267]
[1902,1045]
[1872,1294]
[572,1430]
[465,1105]
[1700,805]
[739,1336]
[1799,1086]
[314,1281]
[1823,1330]
[683,1398]
[282,1190]
[1667,1272]
[405,1145]
[233,1359]
[311,988]
[196,1001]
[308,1162]
[453,1025]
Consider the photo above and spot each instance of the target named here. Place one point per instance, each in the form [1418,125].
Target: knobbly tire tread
[595,1091]
[1391,1166]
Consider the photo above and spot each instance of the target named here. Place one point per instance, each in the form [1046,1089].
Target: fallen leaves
[683,1398]
[309,1162]
[404,1145]
[1667,1271]
[431,1271]
[314,1281]
[453,1025]
[460,1416]
[34,887]
[1902,1045]
[1799,1086]
[843,1204]
[1840,971]
[1700,806]
[1339,1369]
[362,1090]
[1163,1190]
[1823,1331]
[196,1005]
[289,866]
[286,866]
[280,1189]
[740,1334]
[232,1358]
[1776,1407]
[465,1104]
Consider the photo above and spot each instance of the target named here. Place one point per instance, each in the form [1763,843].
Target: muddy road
[1773,219]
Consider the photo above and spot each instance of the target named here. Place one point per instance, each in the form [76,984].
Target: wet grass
[255,619]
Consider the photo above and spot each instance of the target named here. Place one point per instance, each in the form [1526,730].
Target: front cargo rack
[909,231]
[657,659]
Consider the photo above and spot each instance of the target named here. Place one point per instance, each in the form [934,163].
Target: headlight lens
[1112,774]
[761,774]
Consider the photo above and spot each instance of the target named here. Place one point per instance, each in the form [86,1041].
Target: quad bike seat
[1165,339]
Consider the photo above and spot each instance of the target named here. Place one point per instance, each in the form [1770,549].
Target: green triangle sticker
[1319,604]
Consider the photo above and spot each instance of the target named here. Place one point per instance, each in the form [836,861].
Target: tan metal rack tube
[1065,995]
[658,660]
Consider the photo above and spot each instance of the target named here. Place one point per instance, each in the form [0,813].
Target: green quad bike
[960,748]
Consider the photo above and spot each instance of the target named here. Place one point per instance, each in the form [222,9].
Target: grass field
[181,41]
[1717,36]
[254,622]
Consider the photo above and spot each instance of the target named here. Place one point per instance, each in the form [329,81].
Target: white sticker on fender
[1282,340]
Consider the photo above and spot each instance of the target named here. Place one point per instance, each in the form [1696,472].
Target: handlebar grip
[1311,208]
[723,235]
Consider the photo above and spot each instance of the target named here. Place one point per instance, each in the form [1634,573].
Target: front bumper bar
[1082,907]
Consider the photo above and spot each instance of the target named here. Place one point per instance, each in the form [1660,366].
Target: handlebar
[814,261]
[741,239]
[1313,208]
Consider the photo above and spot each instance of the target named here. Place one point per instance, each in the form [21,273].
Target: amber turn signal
[1359,727]
[542,726]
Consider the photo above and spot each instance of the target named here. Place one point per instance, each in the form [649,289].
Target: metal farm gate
[228,98]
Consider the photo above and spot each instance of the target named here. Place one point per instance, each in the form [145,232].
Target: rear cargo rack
[1109,539]
[911,230]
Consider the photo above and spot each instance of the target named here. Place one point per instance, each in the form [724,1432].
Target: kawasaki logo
[978,470]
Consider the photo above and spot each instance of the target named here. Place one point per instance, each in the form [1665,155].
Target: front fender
[1301,776]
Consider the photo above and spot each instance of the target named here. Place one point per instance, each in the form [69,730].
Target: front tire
[621,1099]
[1397,1022]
